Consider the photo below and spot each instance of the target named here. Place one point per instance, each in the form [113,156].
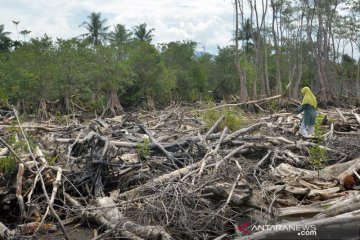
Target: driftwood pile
[162,175]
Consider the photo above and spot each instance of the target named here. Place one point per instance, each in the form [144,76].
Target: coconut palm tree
[120,35]
[25,33]
[97,32]
[142,34]
[5,41]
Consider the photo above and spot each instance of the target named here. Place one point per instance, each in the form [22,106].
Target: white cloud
[208,22]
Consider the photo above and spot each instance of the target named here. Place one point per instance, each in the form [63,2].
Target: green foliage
[110,71]
[71,68]
[234,118]
[53,159]
[142,33]
[326,206]
[143,150]
[96,104]
[317,154]
[3,96]
[120,36]
[96,31]
[318,132]
[5,41]
[7,165]
[224,82]
[18,143]
[190,72]
[146,73]
[141,73]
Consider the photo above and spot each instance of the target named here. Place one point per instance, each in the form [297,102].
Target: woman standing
[308,106]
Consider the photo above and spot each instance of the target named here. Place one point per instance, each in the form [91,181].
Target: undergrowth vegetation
[234,118]
[317,153]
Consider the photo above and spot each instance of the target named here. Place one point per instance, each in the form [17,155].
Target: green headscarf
[309,97]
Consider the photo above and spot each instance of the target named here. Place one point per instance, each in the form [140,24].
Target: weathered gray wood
[241,193]
[344,226]
[168,155]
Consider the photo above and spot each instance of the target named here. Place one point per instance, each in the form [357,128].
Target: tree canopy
[305,44]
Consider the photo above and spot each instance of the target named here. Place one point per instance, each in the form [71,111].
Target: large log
[344,226]
[311,210]
[329,172]
[105,214]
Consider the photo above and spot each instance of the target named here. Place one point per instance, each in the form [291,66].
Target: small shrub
[317,154]
[318,131]
[234,118]
[7,165]
[96,104]
[143,150]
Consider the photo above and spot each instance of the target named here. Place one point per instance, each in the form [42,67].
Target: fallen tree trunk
[111,218]
[168,155]
[344,226]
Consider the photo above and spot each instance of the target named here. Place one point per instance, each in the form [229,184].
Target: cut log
[335,171]
[324,192]
[112,218]
[301,211]
[344,205]
[354,166]
[344,226]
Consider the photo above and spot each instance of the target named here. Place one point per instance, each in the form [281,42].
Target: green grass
[7,165]
[234,118]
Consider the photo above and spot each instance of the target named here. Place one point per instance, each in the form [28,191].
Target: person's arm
[299,109]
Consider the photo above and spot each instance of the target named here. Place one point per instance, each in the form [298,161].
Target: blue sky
[208,22]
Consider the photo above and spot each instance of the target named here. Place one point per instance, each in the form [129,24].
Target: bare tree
[259,39]
[240,73]
[275,9]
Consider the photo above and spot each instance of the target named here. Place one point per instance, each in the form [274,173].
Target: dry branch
[341,115]
[212,129]
[19,182]
[168,155]
[112,218]
[100,156]
[357,117]
[243,131]
[244,103]
[163,178]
